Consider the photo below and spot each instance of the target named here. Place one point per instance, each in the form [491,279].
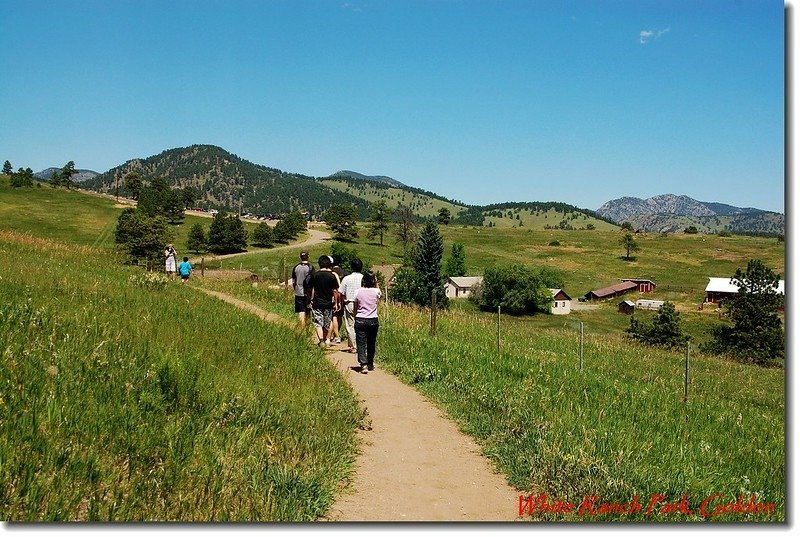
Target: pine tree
[197,241]
[757,332]
[428,265]
[456,264]
[262,235]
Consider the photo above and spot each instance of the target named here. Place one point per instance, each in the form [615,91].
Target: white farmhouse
[461,286]
[562,303]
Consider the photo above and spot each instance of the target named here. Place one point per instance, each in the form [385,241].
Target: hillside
[670,213]
[344,174]
[224,181]
[422,202]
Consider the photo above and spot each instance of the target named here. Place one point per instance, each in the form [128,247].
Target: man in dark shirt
[324,295]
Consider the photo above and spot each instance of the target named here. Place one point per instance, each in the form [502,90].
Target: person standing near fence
[300,282]
[350,285]
[365,306]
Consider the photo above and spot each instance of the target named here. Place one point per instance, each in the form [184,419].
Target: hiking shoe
[336,340]
[370,367]
[364,370]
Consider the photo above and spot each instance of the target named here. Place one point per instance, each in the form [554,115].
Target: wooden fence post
[686,376]
[202,266]
[581,345]
[498,329]
[433,313]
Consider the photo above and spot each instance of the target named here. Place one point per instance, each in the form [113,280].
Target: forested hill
[224,180]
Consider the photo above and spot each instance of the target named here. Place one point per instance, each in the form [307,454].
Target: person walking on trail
[185,269]
[338,307]
[365,306]
[350,285]
[324,294]
[170,257]
[300,282]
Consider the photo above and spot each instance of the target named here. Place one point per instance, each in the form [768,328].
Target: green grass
[76,217]
[619,428]
[126,397]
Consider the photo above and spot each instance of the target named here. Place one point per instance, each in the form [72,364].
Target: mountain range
[79,177]
[668,213]
[225,181]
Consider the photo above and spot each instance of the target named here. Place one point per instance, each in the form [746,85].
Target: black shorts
[299,304]
[184,276]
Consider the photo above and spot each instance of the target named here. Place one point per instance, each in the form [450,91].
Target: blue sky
[481,101]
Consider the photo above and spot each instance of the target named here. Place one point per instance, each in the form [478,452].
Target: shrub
[664,330]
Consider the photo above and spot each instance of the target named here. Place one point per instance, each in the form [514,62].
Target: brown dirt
[414,464]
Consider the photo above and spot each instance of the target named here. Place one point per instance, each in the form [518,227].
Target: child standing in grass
[185,269]
[365,306]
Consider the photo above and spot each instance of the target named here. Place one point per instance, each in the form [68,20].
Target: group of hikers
[333,299]
[185,268]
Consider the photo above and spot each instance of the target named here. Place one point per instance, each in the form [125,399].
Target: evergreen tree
[66,174]
[142,236]
[226,234]
[378,220]
[342,221]
[55,178]
[428,265]
[262,235]
[456,264]
[757,332]
[444,216]
[7,169]
[134,184]
[664,330]
[197,241]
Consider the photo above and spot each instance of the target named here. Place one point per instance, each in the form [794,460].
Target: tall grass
[128,397]
[617,429]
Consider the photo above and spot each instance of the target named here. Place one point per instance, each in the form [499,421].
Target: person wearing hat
[170,255]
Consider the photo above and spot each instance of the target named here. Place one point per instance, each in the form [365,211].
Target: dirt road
[414,465]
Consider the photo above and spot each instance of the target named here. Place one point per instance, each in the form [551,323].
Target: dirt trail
[315,236]
[415,465]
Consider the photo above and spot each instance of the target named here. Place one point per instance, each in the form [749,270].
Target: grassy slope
[75,217]
[119,403]
[535,220]
[422,205]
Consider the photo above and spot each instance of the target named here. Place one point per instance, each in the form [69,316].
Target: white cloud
[645,36]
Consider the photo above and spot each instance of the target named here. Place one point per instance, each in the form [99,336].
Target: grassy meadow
[119,402]
[128,397]
[617,429]
[76,217]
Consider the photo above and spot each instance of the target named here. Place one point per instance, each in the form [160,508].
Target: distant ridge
[668,212]
[79,177]
[361,176]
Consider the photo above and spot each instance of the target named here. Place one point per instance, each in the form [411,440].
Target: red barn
[644,286]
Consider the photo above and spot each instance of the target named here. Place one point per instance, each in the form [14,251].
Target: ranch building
[626,307]
[461,286]
[562,303]
[644,286]
[612,291]
[718,289]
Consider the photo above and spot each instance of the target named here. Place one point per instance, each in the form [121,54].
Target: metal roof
[726,285]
